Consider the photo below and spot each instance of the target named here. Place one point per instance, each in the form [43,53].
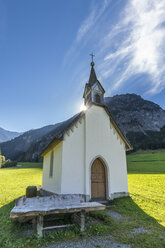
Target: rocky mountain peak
[133,113]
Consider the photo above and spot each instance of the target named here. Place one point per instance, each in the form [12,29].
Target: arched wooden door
[98,180]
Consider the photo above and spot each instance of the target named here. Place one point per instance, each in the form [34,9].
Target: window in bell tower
[97,98]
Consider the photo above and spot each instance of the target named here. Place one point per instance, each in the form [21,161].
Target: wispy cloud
[142,24]
[85,31]
[129,43]
[93,17]
[86,25]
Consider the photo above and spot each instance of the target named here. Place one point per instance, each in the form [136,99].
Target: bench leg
[40,226]
[82,221]
[34,225]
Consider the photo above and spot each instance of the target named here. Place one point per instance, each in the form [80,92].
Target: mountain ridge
[131,112]
[6,135]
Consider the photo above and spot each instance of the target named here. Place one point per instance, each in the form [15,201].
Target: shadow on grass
[121,230]
[134,217]
[128,208]
[147,160]
[145,172]
[10,231]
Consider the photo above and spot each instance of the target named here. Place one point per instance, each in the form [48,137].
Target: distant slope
[148,140]
[16,149]
[6,135]
[139,119]
[29,145]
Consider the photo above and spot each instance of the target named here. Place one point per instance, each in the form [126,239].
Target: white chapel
[87,153]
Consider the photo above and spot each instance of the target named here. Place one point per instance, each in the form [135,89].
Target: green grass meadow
[146,180]
[144,208]
[13,182]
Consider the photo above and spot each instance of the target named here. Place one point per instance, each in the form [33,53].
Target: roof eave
[51,145]
[56,140]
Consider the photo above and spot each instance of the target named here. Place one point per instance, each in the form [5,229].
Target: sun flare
[83,107]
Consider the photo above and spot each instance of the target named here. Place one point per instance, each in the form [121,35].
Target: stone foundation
[83,198]
[119,195]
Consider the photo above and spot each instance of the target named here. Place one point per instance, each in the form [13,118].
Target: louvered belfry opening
[98,180]
[97,98]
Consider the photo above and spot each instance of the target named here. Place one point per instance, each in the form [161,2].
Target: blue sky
[44,55]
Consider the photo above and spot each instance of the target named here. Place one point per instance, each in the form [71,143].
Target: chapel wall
[103,141]
[53,184]
[73,160]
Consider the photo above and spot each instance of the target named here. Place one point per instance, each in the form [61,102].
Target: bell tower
[94,91]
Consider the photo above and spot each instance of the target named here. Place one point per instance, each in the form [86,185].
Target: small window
[51,164]
[97,98]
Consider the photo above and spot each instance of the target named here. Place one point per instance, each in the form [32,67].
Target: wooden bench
[37,207]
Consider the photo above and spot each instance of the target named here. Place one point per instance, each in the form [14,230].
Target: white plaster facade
[92,136]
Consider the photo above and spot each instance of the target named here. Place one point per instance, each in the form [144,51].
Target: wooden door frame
[106,175]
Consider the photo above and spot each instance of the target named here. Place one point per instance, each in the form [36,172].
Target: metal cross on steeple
[92,55]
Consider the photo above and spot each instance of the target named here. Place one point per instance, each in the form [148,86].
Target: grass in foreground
[146,180]
[145,207]
[134,217]
[13,183]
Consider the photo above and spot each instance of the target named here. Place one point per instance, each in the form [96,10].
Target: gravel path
[140,230]
[114,215]
[92,242]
